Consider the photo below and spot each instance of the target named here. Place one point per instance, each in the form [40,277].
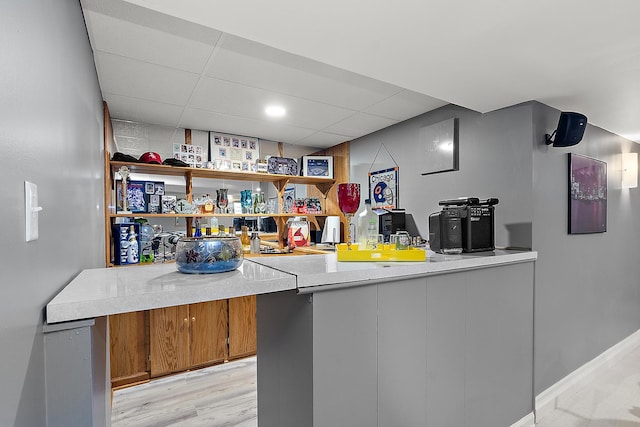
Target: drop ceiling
[346,69]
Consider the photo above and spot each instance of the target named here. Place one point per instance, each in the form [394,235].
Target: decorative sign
[383,188]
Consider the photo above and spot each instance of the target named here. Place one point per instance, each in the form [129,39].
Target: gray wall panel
[344,364]
[51,134]
[402,353]
[446,350]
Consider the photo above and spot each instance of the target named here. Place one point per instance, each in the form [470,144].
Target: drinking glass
[222,199]
[349,201]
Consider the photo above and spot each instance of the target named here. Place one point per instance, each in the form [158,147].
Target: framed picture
[440,146]
[587,195]
[318,166]
[282,166]
[288,200]
[383,188]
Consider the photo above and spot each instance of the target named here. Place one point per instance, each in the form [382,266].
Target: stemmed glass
[222,200]
[349,201]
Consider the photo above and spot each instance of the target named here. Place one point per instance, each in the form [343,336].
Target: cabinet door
[242,326]
[129,345]
[209,323]
[169,336]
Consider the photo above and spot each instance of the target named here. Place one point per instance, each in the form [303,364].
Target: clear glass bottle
[367,227]
[262,204]
[255,243]
[256,209]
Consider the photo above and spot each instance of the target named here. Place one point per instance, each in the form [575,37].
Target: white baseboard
[546,401]
[526,421]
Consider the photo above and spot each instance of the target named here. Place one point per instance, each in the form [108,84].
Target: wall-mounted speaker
[571,127]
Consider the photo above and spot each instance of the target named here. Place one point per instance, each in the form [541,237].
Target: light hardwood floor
[225,395]
[221,395]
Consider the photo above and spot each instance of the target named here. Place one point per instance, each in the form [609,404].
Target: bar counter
[438,342]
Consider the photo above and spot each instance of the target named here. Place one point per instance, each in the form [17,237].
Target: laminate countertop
[105,291]
[320,272]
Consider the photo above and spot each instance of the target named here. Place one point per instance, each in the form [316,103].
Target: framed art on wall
[318,166]
[440,142]
[383,188]
[587,195]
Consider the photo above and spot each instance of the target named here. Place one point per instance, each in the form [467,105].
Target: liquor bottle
[245,240]
[262,204]
[255,204]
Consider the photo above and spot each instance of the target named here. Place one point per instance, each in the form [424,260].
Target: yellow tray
[386,253]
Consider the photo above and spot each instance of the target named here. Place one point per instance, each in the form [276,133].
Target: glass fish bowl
[210,254]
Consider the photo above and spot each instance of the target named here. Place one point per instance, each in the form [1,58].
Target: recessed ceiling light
[275,111]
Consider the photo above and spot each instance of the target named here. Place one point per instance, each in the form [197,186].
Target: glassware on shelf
[262,204]
[246,201]
[222,200]
[349,201]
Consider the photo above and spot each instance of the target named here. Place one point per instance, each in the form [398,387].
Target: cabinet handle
[186,320]
[193,319]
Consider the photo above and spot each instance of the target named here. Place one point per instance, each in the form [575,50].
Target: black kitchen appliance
[463,225]
[390,222]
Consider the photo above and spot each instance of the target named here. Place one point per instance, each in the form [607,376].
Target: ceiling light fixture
[275,111]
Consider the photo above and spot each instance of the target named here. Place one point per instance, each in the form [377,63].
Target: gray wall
[587,287]
[494,161]
[587,291]
[51,134]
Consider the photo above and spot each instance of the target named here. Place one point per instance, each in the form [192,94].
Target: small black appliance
[390,222]
[463,225]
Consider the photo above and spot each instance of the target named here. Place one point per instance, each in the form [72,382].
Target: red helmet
[151,157]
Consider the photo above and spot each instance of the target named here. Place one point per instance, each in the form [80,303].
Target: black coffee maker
[463,225]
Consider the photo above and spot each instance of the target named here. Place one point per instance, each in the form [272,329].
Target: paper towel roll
[331,231]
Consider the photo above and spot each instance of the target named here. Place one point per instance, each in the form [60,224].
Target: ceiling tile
[137,79]
[323,140]
[239,100]
[196,119]
[140,110]
[360,124]
[121,37]
[405,105]
[275,70]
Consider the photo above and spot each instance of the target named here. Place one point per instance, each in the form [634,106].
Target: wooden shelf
[155,215]
[280,181]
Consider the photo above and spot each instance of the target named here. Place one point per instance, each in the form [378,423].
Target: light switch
[31,211]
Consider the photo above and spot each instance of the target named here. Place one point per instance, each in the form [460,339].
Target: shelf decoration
[193,155]
[318,166]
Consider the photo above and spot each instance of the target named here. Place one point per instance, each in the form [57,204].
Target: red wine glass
[349,201]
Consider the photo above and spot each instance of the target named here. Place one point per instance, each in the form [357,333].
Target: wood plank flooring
[221,395]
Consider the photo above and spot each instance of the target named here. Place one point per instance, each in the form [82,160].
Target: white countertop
[317,272]
[103,291]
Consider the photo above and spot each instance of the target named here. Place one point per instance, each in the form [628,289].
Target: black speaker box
[570,131]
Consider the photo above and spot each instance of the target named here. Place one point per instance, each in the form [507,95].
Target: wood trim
[242,326]
[108,146]
[341,173]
